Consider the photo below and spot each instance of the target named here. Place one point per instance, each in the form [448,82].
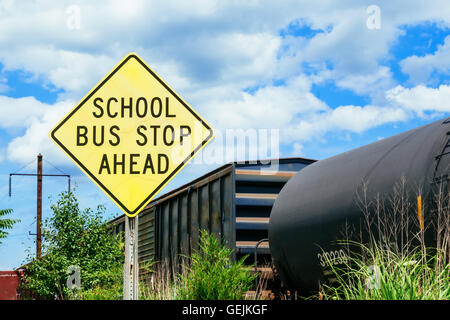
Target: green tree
[72,237]
[6,224]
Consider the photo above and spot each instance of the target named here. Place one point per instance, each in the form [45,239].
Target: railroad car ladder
[440,174]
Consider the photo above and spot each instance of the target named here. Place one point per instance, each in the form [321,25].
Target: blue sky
[317,71]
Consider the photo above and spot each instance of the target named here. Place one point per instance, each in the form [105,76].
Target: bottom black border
[225,309]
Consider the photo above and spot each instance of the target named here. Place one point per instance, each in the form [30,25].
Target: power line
[39,174]
[24,167]
[54,166]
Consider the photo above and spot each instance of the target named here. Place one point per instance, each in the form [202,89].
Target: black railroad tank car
[309,212]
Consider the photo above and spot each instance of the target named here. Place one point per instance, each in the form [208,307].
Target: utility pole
[39,207]
[39,176]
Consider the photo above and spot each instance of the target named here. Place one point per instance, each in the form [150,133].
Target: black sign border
[139,207]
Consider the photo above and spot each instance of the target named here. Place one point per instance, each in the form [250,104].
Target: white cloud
[198,41]
[72,71]
[35,140]
[210,43]
[349,118]
[420,69]
[421,99]
[298,114]
[373,84]
[20,112]
[268,107]
[403,105]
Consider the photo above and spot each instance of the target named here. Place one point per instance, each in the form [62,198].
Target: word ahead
[131,134]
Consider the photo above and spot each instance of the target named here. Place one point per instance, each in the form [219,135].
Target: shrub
[72,237]
[213,275]
[110,286]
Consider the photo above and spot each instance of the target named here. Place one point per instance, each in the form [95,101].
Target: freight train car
[312,208]
[234,202]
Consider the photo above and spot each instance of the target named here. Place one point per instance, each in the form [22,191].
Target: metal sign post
[131,265]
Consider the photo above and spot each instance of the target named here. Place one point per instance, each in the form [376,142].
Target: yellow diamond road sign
[131,134]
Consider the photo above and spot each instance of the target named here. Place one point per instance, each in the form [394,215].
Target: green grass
[159,282]
[393,262]
[381,274]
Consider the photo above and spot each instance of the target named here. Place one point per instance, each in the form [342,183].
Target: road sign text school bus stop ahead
[131,134]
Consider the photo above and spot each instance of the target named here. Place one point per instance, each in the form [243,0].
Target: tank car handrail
[256,260]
